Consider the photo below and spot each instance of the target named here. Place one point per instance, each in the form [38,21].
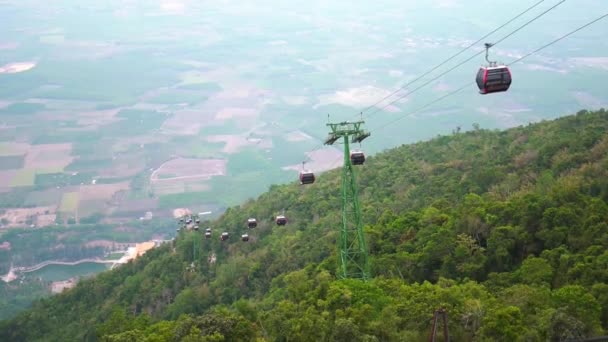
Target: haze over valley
[117,115]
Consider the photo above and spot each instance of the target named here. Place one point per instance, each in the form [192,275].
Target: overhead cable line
[464,86]
[512,62]
[468,59]
[453,56]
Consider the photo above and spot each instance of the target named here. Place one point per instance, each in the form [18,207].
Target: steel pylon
[353,255]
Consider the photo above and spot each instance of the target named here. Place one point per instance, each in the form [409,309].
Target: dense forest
[506,230]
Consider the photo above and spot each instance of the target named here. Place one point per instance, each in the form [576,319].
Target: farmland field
[11,162]
[69,202]
[189,107]
[23,177]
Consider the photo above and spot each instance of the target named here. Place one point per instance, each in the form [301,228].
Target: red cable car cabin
[493,79]
[307,177]
[357,158]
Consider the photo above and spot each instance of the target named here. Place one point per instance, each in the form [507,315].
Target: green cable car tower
[353,258]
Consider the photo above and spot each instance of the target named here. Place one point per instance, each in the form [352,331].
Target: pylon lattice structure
[353,257]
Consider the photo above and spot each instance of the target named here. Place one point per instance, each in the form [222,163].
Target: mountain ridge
[505,229]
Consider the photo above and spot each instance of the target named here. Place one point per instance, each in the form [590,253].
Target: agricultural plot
[90,207]
[49,156]
[295,136]
[11,162]
[52,180]
[177,97]
[6,176]
[134,122]
[203,149]
[25,216]
[236,113]
[103,192]
[89,164]
[321,160]
[177,186]
[186,175]
[188,168]
[134,144]
[138,205]
[23,177]
[232,143]
[123,170]
[187,122]
[45,220]
[44,198]
[97,118]
[13,149]
[69,202]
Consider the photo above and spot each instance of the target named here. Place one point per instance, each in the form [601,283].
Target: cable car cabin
[224,236]
[281,220]
[208,235]
[307,177]
[245,237]
[208,230]
[493,79]
[197,221]
[177,230]
[181,220]
[252,223]
[196,228]
[357,158]
[189,221]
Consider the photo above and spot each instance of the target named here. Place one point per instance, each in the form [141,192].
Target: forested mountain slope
[507,230]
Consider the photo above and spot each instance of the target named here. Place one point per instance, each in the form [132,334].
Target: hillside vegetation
[506,230]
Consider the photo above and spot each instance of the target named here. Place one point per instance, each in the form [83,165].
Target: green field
[204,149]
[91,207]
[69,202]
[44,198]
[24,177]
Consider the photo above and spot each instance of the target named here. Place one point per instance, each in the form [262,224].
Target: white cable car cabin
[357,157]
[252,223]
[224,236]
[281,220]
[245,237]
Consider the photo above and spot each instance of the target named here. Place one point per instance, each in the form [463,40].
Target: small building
[59,286]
